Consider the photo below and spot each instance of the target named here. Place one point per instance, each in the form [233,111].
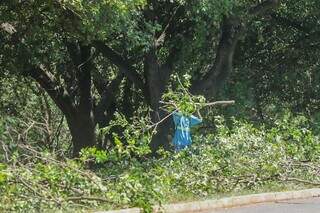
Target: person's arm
[194,120]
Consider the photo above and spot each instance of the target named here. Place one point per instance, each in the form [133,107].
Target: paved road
[294,206]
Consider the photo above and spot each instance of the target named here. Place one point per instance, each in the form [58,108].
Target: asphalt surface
[311,205]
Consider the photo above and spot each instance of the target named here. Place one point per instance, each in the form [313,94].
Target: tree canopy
[94,58]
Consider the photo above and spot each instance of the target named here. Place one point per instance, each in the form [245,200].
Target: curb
[198,206]
[132,210]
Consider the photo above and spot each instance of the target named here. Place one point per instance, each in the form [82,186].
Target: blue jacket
[182,136]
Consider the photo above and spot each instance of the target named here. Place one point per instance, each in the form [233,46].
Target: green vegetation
[87,89]
[231,161]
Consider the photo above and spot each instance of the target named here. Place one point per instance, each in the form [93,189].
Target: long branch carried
[224,103]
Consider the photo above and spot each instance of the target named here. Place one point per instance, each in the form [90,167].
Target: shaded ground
[311,205]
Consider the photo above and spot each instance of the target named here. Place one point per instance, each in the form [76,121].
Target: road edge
[229,202]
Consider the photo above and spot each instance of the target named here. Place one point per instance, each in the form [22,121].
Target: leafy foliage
[236,159]
[181,99]
[108,77]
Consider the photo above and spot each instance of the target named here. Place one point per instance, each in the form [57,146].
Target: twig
[162,120]
[88,198]
[57,133]
[5,150]
[29,187]
[184,89]
[62,164]
[302,181]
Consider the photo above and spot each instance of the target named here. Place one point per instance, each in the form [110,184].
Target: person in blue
[182,135]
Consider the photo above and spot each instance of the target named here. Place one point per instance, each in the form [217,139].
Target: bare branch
[87,198]
[160,40]
[302,181]
[223,103]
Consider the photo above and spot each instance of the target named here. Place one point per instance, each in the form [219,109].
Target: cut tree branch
[223,103]
[100,199]
[302,181]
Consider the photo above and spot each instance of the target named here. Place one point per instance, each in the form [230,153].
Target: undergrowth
[230,161]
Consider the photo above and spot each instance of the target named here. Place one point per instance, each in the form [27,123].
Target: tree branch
[290,23]
[264,7]
[54,90]
[302,181]
[161,38]
[107,98]
[81,57]
[100,83]
[100,199]
[231,31]
[121,63]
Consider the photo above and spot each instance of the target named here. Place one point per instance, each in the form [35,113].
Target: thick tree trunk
[157,78]
[81,122]
[82,129]
[79,118]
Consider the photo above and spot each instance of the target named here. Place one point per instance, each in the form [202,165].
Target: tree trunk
[82,129]
[157,78]
[81,121]
[231,30]
[163,136]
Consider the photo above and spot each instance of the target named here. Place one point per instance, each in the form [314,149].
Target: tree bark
[157,78]
[79,119]
[82,130]
[82,124]
[217,74]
